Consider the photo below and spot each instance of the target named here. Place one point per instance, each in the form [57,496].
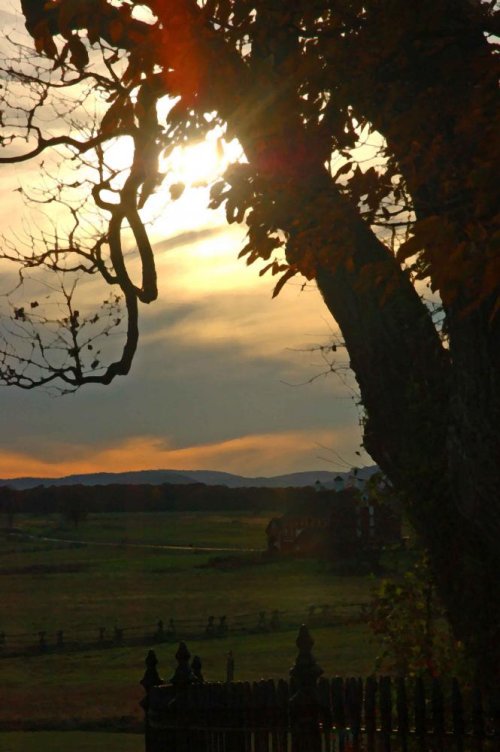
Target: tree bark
[433,95]
[431,427]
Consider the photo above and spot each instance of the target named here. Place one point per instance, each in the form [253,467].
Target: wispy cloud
[255,454]
[212,370]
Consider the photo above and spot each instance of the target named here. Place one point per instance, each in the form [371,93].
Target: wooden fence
[310,713]
[173,630]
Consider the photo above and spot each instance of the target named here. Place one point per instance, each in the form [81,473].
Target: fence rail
[173,630]
[310,713]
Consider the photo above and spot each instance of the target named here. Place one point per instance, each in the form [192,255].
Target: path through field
[122,544]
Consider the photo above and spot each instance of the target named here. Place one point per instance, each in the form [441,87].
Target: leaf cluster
[406,613]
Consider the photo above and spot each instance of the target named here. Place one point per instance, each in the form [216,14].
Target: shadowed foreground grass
[76,741]
[76,689]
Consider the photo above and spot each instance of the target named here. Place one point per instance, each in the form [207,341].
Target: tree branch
[80,146]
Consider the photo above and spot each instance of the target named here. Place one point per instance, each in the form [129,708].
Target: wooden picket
[310,713]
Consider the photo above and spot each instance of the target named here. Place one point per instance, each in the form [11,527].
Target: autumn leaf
[43,40]
[283,280]
[343,170]
[78,52]
[120,114]
[176,190]
[424,232]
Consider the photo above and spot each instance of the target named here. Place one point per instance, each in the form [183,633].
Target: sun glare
[196,164]
[190,169]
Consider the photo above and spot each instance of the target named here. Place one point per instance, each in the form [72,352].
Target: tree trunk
[433,429]
[429,426]
[473,450]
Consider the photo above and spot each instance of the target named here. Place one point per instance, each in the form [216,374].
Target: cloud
[255,454]
[209,298]
[189,237]
[250,321]
[208,369]
[212,368]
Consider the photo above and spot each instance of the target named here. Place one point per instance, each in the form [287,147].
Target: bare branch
[47,143]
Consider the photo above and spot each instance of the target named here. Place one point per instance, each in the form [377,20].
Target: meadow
[86,584]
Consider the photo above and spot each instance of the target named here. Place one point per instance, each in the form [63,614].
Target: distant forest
[150,498]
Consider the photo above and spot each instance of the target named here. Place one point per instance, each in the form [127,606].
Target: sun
[197,164]
[181,201]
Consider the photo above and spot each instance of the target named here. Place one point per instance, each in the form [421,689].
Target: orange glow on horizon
[256,454]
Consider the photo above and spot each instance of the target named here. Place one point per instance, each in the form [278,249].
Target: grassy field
[77,587]
[51,586]
[81,688]
[232,529]
[77,741]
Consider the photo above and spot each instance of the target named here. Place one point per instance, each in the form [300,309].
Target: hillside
[208,477]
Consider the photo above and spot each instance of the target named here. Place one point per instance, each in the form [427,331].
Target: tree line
[79,499]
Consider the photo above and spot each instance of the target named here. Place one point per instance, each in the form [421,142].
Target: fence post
[420,708]
[150,679]
[354,702]
[42,642]
[183,675]
[370,710]
[118,635]
[171,631]
[196,668]
[210,628]
[230,667]
[160,632]
[402,713]
[304,705]
[184,714]
[385,697]
[477,714]
[222,627]
[338,705]
[437,704]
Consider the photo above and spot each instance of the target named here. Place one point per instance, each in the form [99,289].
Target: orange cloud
[256,454]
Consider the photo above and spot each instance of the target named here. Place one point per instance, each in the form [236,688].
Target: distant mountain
[209,477]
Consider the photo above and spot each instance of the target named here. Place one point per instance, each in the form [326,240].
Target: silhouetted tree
[73,505]
[305,86]
[8,504]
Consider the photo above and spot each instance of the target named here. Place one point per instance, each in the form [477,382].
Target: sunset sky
[221,377]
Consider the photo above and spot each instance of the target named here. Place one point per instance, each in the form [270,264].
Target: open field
[231,529]
[49,586]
